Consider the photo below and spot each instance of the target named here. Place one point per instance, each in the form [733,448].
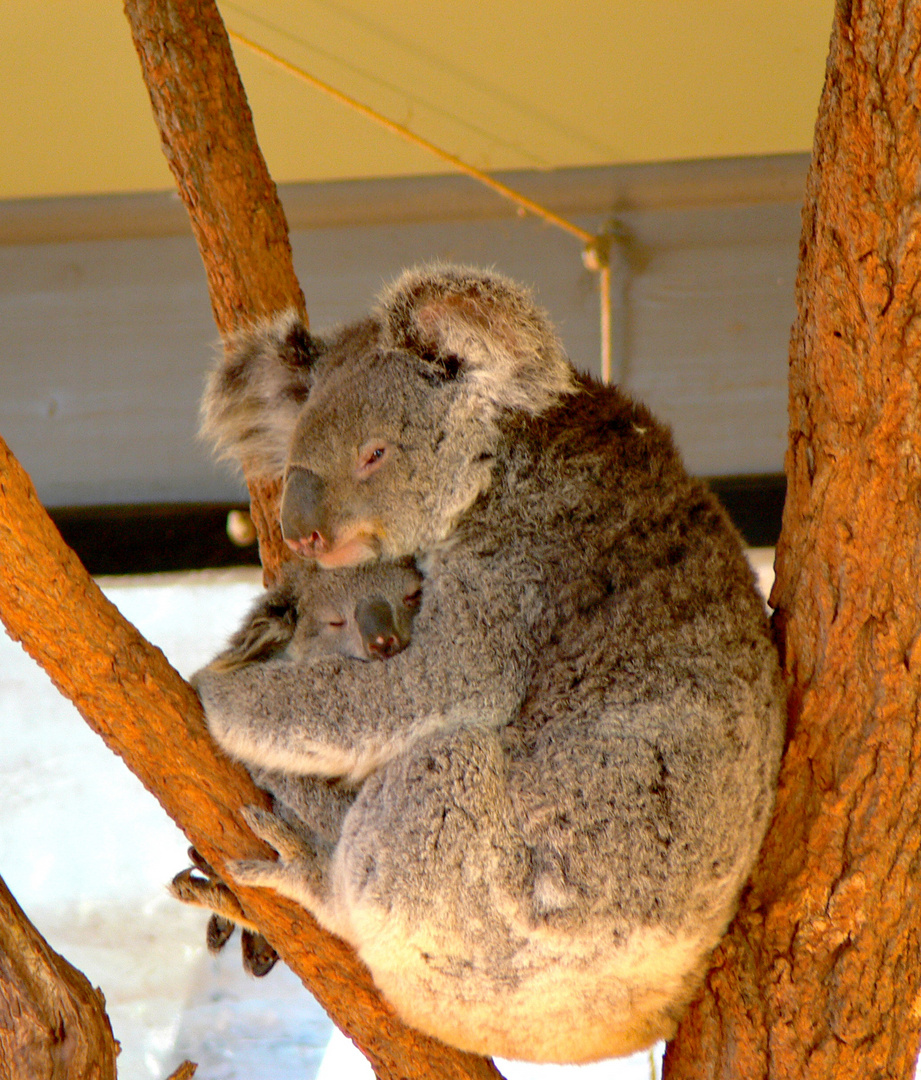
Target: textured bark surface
[207,135]
[821,974]
[206,131]
[52,1022]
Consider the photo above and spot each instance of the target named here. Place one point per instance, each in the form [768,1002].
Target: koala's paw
[258,955]
[191,887]
[200,886]
[299,871]
[219,932]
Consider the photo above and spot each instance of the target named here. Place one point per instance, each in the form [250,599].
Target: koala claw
[258,955]
[200,886]
[219,932]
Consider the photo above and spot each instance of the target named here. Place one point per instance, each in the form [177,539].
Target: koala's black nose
[303,524]
[375,624]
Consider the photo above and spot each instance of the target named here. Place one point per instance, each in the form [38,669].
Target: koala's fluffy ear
[254,393]
[482,327]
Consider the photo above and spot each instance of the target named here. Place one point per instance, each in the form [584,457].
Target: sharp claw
[258,955]
[219,932]
[200,864]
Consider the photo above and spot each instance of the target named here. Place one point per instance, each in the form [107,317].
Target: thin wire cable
[398,129]
[590,240]
[604,295]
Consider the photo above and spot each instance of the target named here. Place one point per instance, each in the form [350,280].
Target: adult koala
[562,783]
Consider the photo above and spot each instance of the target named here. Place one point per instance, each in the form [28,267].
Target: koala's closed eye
[370,458]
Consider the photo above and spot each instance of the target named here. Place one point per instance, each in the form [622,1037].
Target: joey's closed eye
[330,619]
[413,600]
[371,456]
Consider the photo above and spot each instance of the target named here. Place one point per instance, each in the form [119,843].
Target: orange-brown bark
[52,1022]
[821,974]
[206,131]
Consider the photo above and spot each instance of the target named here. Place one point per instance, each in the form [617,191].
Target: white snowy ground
[87,852]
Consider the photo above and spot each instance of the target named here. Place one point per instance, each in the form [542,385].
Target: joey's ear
[254,393]
[485,328]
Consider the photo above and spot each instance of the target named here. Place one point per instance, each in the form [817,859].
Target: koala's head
[364,612]
[385,431]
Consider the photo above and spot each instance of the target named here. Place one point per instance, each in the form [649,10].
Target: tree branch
[206,132]
[52,1022]
[819,975]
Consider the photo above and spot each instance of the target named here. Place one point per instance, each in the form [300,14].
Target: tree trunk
[121,684]
[821,975]
[53,1024]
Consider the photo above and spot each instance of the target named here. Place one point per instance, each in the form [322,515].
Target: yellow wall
[509,84]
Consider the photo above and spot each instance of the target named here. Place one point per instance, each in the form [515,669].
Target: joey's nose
[383,646]
[375,623]
[302,521]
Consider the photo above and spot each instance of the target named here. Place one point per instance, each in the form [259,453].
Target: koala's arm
[341,717]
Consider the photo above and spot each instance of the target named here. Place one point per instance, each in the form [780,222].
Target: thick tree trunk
[821,974]
[123,686]
[53,1024]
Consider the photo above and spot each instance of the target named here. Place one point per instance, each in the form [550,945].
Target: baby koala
[364,613]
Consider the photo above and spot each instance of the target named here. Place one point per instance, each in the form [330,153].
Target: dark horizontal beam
[152,538]
[147,539]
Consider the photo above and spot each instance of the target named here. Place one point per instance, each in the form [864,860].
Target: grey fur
[364,613]
[561,785]
[310,614]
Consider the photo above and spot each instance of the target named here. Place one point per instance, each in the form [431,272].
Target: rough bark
[53,1024]
[820,974]
[122,685]
[206,131]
